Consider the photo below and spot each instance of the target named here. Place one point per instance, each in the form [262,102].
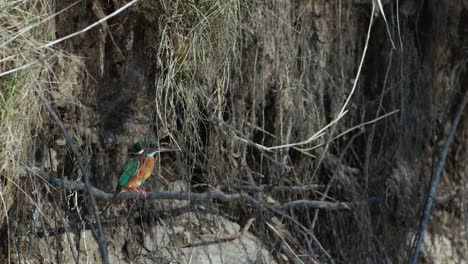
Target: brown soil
[280,73]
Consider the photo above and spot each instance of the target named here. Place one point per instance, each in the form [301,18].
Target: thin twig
[315,136]
[353,128]
[245,139]
[32,26]
[239,134]
[102,20]
[343,109]
[287,249]
[435,183]
[315,204]
[281,188]
[116,12]
[101,239]
[224,239]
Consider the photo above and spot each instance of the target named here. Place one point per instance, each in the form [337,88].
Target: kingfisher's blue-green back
[129,169]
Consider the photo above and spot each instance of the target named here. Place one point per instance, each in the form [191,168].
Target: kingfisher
[139,168]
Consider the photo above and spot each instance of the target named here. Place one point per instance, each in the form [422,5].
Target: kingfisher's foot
[142,191]
[136,190]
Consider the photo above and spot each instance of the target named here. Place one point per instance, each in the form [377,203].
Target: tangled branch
[206,196]
[86,185]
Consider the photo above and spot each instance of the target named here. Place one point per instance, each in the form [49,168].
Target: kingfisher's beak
[152,152]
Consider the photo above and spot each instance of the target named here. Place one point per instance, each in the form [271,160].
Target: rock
[161,243]
[158,237]
[441,249]
[247,249]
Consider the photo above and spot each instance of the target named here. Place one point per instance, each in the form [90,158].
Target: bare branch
[315,204]
[281,188]
[206,196]
[101,239]
[435,182]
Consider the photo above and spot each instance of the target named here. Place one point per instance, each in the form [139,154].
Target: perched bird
[137,169]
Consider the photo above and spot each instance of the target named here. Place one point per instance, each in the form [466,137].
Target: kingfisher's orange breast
[145,168]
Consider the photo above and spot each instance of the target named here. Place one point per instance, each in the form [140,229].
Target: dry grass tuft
[25,27]
[196,50]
